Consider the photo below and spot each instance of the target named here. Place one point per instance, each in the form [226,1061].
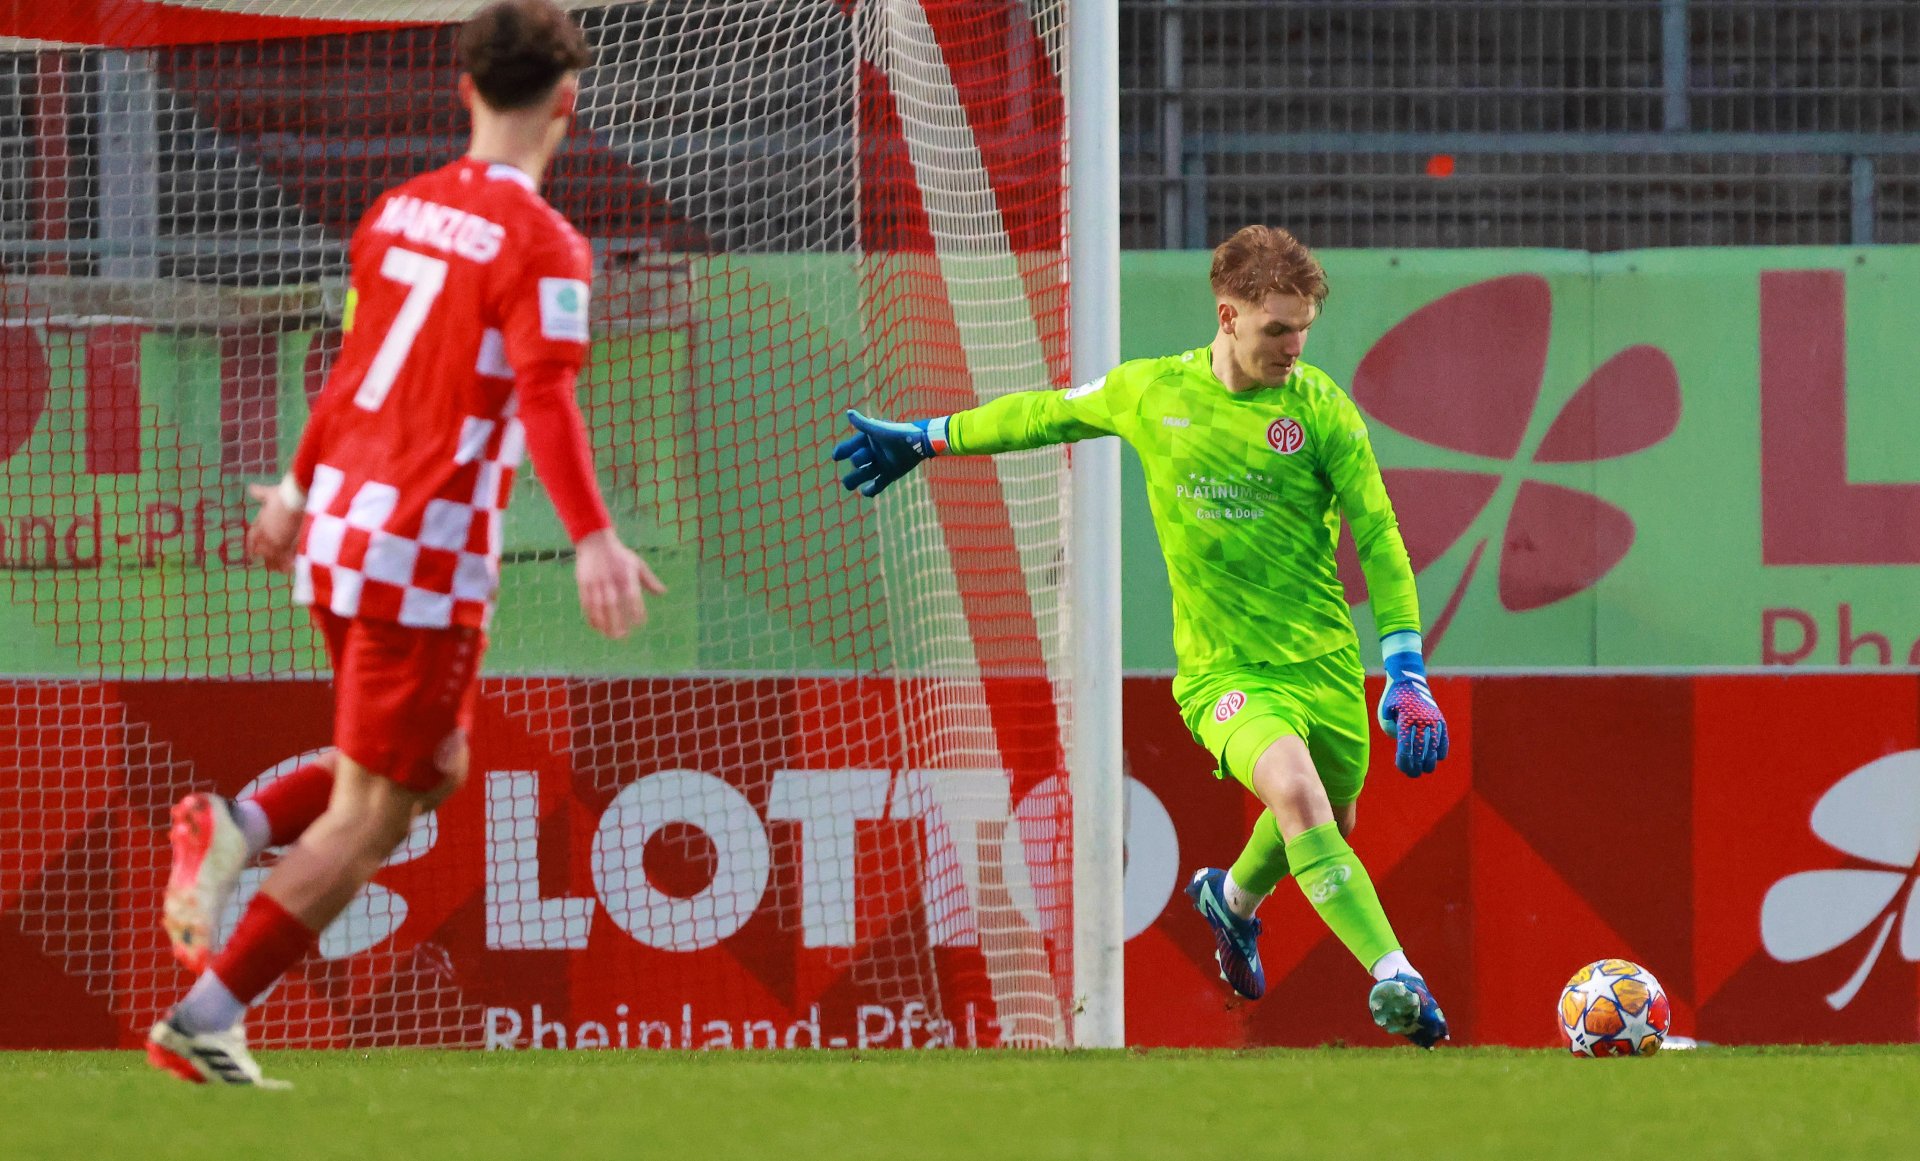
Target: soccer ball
[1614,1008]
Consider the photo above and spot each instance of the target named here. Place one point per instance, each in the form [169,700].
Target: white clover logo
[1872,814]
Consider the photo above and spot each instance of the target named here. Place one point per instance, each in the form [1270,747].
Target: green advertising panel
[1678,458]
[127,445]
[1681,458]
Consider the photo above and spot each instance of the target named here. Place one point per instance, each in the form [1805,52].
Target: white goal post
[1099,822]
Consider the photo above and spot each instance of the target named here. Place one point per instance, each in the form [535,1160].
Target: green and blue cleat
[1235,940]
[1404,1006]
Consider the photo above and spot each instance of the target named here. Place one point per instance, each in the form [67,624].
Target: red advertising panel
[764,878]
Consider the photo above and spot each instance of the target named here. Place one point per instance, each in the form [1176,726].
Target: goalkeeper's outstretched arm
[881,451]
[1407,710]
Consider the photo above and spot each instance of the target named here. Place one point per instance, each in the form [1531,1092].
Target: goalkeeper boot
[1404,1006]
[206,1058]
[1236,946]
[209,853]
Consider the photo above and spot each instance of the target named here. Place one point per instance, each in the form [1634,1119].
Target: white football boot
[209,853]
[208,1058]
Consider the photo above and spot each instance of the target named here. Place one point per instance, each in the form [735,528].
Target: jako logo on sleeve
[563,309]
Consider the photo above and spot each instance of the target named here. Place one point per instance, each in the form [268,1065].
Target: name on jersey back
[442,227]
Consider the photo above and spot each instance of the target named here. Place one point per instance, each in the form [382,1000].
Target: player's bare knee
[1347,816]
[1292,799]
[1285,781]
[1284,768]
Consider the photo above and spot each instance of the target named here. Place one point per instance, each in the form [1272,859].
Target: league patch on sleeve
[563,309]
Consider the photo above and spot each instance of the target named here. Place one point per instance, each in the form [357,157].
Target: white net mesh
[822,799]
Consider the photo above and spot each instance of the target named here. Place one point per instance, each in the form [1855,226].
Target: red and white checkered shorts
[403,698]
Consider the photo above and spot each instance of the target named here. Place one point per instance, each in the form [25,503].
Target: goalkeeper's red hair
[1262,260]
[1268,289]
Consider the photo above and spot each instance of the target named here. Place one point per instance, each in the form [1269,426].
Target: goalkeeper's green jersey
[1247,490]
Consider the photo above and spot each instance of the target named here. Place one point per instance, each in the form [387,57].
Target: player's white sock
[209,1007]
[253,825]
[1240,901]
[1392,964]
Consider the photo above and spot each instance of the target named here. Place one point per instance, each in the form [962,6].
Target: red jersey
[463,281]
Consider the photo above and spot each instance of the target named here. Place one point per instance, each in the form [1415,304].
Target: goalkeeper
[1252,457]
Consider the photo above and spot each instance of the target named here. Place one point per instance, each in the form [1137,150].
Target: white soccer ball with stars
[1614,1007]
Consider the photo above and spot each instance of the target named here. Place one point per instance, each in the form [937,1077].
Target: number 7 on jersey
[423,277]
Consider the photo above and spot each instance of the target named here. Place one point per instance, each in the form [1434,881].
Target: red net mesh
[821,800]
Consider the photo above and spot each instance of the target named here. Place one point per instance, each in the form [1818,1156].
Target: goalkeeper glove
[880,452]
[1407,709]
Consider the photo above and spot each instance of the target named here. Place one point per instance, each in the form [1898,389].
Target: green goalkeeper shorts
[1237,713]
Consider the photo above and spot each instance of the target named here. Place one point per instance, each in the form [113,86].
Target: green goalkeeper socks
[1331,877]
[1263,862]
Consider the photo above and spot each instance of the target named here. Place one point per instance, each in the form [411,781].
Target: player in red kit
[466,328]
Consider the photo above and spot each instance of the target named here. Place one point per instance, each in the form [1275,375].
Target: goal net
[821,800]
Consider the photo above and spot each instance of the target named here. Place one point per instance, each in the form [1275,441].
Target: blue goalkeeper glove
[880,452]
[1407,709]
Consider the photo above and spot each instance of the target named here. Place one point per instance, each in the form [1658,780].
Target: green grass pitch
[1821,1103]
